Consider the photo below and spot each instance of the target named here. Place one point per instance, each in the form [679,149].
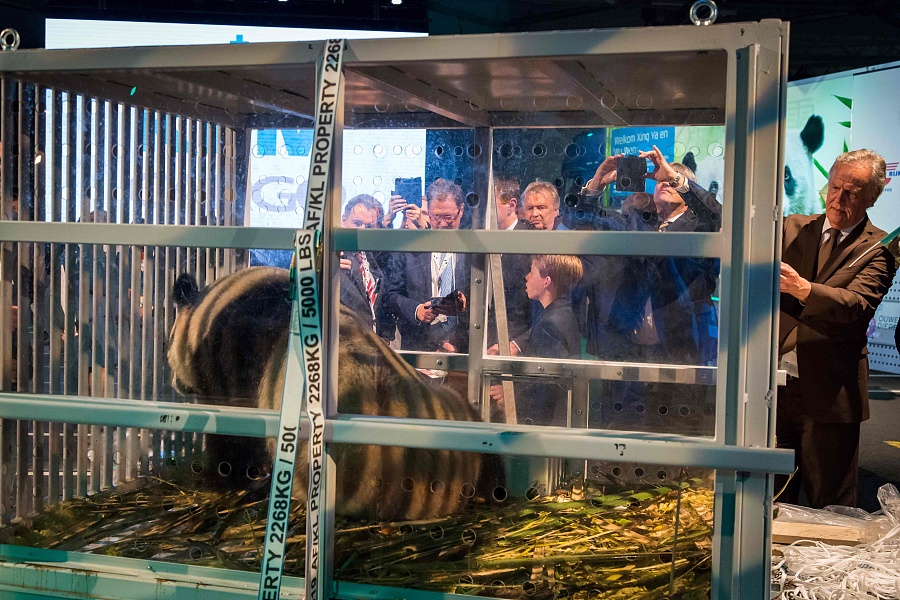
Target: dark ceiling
[827,36]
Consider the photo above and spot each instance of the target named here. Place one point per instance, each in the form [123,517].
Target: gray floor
[879,462]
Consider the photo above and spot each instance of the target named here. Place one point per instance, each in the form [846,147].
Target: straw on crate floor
[610,546]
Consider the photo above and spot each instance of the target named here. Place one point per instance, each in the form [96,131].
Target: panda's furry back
[381,482]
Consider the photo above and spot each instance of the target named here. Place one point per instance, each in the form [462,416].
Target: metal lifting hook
[704,12]
[9,39]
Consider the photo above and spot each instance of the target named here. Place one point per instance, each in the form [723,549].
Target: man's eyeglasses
[445,219]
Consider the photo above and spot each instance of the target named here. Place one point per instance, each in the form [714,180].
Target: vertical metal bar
[184,441]
[133,119]
[7,275]
[760,350]
[53,168]
[26,347]
[209,148]
[53,160]
[126,290]
[82,123]
[730,389]
[159,199]
[229,192]
[218,194]
[171,256]
[27,331]
[242,153]
[70,344]
[146,132]
[196,184]
[482,170]
[39,108]
[103,446]
[181,264]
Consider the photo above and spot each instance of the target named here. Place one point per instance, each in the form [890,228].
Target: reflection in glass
[581,529]
[177,509]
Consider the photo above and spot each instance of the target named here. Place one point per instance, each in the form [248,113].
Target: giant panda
[228,346]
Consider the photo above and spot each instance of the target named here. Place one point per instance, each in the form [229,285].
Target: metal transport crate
[122,169]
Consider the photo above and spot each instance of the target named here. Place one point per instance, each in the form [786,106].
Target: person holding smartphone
[415,278]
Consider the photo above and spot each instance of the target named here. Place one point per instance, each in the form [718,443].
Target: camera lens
[626,182]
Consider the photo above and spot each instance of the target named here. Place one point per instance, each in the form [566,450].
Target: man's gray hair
[367,201]
[444,188]
[544,188]
[684,170]
[875,163]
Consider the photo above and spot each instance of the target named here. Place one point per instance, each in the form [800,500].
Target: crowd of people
[649,309]
[836,269]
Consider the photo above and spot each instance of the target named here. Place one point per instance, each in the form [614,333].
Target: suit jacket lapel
[862,233]
[802,253]
[808,241]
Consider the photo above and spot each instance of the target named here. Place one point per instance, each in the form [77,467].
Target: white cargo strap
[304,363]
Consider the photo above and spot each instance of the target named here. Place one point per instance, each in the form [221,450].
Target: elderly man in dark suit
[834,274]
[414,278]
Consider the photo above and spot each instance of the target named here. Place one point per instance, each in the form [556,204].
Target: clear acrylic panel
[101,320]
[530,527]
[221,147]
[534,120]
[138,493]
[612,342]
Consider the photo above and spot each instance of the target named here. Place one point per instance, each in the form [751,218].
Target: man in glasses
[361,277]
[416,281]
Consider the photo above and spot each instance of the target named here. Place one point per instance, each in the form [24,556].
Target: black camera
[630,171]
[450,305]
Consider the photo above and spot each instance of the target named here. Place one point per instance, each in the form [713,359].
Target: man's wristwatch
[681,183]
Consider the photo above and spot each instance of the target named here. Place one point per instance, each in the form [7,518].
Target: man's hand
[662,170]
[513,350]
[345,263]
[496,393]
[793,284]
[606,173]
[425,313]
[463,303]
[397,204]
[416,218]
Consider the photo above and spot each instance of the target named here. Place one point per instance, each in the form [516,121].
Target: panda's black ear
[185,291]
[690,161]
[813,134]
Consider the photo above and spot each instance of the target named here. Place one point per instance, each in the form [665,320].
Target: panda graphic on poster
[801,195]
[704,154]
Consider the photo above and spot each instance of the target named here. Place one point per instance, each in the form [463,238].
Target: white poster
[876,125]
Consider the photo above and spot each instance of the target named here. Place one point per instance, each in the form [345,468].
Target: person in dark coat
[555,334]
[361,277]
[414,278]
[835,271]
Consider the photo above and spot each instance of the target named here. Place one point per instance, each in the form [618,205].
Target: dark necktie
[828,248]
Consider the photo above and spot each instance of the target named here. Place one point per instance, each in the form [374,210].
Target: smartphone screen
[410,189]
[630,171]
